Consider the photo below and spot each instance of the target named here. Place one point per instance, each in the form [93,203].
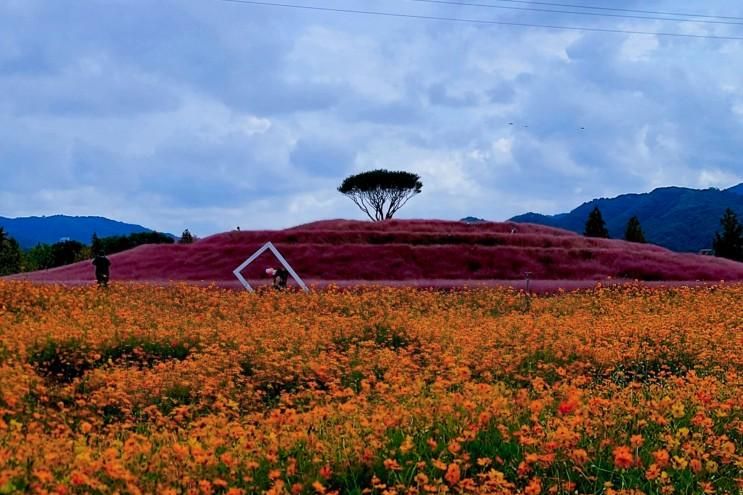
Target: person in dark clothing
[280,277]
[102,265]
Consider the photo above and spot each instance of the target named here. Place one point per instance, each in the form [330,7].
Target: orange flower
[636,441]
[453,474]
[567,406]
[579,456]
[78,478]
[534,487]
[205,486]
[653,472]
[623,458]
[326,471]
[145,388]
[662,458]
[274,474]
[421,479]
[391,465]
[407,445]
[707,487]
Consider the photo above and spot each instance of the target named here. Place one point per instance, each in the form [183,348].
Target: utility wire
[479,21]
[616,9]
[595,14]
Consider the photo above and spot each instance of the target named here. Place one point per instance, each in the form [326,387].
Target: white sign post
[281,259]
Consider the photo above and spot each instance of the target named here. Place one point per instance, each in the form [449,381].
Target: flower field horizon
[337,251]
[200,390]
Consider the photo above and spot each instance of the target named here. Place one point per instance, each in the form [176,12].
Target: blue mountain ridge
[30,231]
[679,218]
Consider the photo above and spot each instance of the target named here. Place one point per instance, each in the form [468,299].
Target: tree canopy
[381,193]
[117,243]
[10,254]
[68,252]
[633,232]
[595,225]
[729,243]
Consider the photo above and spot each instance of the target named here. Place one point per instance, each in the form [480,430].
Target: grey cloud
[323,159]
[135,101]
[440,94]
[502,92]
[398,112]
[95,96]
[271,97]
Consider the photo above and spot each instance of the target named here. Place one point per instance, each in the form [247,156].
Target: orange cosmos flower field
[142,389]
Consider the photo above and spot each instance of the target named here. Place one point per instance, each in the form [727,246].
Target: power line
[574,12]
[616,9]
[480,21]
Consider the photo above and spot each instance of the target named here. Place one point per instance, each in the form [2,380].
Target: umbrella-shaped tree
[381,193]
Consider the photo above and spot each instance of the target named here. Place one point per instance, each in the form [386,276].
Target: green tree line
[728,241]
[13,259]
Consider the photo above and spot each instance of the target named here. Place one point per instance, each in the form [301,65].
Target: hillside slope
[30,231]
[678,218]
[409,250]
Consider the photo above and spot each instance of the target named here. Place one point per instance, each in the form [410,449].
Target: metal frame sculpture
[282,260]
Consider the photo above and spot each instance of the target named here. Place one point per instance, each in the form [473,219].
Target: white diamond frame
[282,260]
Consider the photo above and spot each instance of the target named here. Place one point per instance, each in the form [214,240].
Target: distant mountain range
[678,218]
[30,231]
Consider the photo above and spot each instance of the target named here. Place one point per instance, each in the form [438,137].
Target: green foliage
[10,254]
[186,237]
[729,243]
[67,252]
[118,243]
[45,256]
[38,257]
[633,232]
[595,225]
[666,215]
[63,361]
[381,193]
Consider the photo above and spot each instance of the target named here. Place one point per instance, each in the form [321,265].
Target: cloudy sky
[209,114]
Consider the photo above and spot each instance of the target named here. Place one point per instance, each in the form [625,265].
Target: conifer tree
[595,225]
[633,232]
[729,243]
[186,237]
